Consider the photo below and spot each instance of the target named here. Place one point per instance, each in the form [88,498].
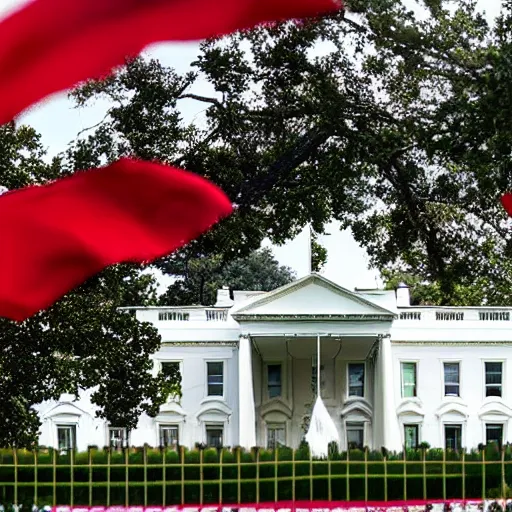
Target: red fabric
[506,201]
[56,236]
[52,45]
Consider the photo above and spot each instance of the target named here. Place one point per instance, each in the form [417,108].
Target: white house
[390,373]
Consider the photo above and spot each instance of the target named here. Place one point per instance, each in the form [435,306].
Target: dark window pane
[169,436]
[494,433]
[215,378]
[411,436]
[356,379]
[66,437]
[274,380]
[453,437]
[214,437]
[276,436]
[355,435]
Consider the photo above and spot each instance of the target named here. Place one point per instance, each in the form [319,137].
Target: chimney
[223,298]
[403,297]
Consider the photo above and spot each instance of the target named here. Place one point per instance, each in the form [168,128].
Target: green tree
[200,278]
[394,124]
[83,341]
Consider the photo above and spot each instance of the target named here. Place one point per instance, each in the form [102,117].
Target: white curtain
[322,430]
[247,423]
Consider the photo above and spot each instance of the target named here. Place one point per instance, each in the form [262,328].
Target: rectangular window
[355,436]
[493,378]
[171,369]
[451,379]
[215,371]
[169,436]
[356,379]
[66,437]
[214,437]
[411,437]
[494,433]
[118,438]
[276,436]
[408,379]
[274,374]
[453,437]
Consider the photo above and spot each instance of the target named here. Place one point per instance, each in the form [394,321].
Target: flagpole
[310,251]
[318,365]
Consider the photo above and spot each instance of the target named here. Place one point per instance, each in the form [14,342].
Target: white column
[246,409]
[386,431]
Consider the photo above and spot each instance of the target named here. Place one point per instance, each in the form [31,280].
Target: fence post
[483,474]
[54,469]
[15,458]
[276,475]
[385,478]
[366,475]
[293,475]
[164,475]
[311,490]
[503,483]
[36,498]
[329,476]
[444,474]
[90,475]
[424,452]
[238,477]
[126,476]
[347,482]
[145,462]
[109,452]
[405,473]
[464,475]
[182,458]
[221,467]
[201,476]
[257,476]
[72,477]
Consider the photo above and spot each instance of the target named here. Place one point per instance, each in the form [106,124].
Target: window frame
[267,381]
[418,432]
[207,385]
[275,426]
[215,426]
[74,429]
[169,426]
[496,424]
[355,426]
[125,442]
[161,362]
[502,384]
[416,379]
[350,363]
[453,425]
[451,395]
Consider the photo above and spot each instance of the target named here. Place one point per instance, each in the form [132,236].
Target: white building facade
[390,374]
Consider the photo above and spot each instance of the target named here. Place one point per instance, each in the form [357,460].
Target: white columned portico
[386,431]
[246,411]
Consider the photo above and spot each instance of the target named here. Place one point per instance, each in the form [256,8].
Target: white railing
[455,315]
[193,315]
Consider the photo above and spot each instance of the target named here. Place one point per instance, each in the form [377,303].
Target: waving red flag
[506,201]
[52,45]
[56,236]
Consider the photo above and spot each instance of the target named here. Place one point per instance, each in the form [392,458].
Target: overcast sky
[58,122]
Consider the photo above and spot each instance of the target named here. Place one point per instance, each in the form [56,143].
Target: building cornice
[200,343]
[244,317]
[465,343]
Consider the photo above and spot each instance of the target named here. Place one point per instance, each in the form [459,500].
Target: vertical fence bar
[164,475]
[503,483]
[36,457]
[483,474]
[109,452]
[145,462]
[15,459]
[221,474]
[257,476]
[54,472]
[464,475]
[201,476]
[90,475]
[405,474]
[293,476]
[126,477]
[311,492]
[424,474]
[444,474]
[347,480]
[72,477]
[182,460]
[366,475]
[385,478]
[329,476]
[276,476]
[239,478]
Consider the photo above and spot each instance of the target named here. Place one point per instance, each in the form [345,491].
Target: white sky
[58,122]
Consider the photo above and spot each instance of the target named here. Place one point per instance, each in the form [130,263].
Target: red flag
[52,45]
[56,236]
[506,201]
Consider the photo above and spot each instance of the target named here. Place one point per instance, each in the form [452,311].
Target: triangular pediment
[313,297]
